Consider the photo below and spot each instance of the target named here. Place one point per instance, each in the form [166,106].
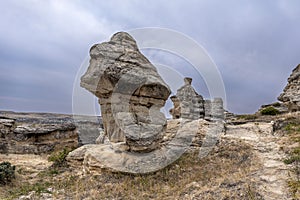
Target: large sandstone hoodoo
[291,93]
[130,92]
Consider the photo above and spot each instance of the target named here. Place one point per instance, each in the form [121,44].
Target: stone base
[116,157]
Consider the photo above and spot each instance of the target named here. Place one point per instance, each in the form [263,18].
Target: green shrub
[292,127]
[59,158]
[292,159]
[7,172]
[269,111]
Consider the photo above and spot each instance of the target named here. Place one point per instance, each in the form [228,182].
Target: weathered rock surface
[27,134]
[188,104]
[214,109]
[206,130]
[35,138]
[291,93]
[130,93]
[181,136]
[87,127]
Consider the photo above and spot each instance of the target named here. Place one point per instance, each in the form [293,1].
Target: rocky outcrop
[87,127]
[188,104]
[291,93]
[17,136]
[214,109]
[130,93]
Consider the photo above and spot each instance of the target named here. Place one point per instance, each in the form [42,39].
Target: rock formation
[130,93]
[291,93]
[188,104]
[214,109]
[23,137]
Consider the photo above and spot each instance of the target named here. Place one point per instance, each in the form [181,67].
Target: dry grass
[224,174]
[292,132]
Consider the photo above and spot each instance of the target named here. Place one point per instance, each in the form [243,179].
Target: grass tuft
[269,111]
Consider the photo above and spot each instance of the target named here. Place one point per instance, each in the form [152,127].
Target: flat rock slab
[116,158]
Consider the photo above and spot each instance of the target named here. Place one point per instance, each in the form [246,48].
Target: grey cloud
[254,44]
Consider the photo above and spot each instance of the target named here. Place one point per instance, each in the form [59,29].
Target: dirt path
[273,175]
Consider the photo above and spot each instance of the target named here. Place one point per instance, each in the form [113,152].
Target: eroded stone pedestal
[130,92]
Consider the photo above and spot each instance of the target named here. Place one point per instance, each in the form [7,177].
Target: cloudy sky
[255,45]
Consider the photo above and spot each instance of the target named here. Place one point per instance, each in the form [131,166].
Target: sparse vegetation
[269,111]
[59,158]
[293,157]
[7,172]
[294,186]
[224,174]
[293,132]
[25,188]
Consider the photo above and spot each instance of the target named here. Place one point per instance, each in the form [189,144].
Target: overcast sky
[255,45]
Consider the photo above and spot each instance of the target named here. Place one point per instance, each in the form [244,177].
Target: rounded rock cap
[188,80]
[125,39]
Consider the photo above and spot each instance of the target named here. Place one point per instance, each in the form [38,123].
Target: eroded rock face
[130,93]
[291,93]
[214,109]
[33,137]
[188,104]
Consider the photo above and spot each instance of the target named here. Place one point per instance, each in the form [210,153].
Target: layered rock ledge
[31,135]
